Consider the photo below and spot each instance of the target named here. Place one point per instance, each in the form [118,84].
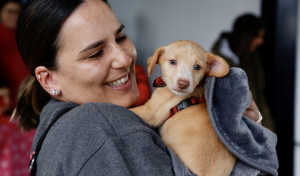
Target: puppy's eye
[173,62]
[197,67]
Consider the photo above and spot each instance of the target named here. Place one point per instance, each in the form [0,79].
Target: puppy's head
[184,64]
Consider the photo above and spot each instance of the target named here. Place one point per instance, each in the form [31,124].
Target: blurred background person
[12,69]
[15,145]
[239,49]
[4,98]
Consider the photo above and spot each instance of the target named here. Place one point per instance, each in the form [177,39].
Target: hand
[252,111]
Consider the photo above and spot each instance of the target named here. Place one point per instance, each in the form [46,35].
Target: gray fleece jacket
[105,139]
[99,139]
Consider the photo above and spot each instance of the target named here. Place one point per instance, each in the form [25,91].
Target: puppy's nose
[183,84]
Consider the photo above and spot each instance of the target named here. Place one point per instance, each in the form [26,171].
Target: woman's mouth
[118,82]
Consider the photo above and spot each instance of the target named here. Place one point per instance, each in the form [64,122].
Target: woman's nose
[121,59]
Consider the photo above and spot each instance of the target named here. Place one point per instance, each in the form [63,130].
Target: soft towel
[254,145]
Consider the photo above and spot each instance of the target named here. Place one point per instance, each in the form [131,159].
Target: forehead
[12,5]
[90,11]
[90,21]
[185,49]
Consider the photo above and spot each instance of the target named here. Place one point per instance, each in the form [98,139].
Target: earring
[55,92]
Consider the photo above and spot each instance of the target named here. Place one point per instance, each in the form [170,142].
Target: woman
[239,49]
[77,52]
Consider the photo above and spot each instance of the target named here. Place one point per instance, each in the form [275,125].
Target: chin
[180,93]
[128,99]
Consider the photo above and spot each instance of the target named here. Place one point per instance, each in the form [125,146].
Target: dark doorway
[279,59]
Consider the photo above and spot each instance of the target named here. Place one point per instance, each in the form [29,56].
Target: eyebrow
[120,29]
[98,43]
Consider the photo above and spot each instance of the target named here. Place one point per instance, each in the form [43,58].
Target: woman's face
[4,99]
[95,59]
[10,14]
[257,41]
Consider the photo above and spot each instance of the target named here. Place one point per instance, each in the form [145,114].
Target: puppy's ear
[217,66]
[154,59]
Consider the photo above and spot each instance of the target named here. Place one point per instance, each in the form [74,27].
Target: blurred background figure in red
[12,69]
[15,145]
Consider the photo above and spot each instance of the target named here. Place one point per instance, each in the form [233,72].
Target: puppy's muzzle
[183,84]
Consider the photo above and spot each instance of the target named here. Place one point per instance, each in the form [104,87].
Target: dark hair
[4,2]
[37,40]
[245,28]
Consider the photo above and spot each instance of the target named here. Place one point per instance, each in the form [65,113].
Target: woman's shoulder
[100,120]
[88,129]
[109,117]
[85,122]
[93,123]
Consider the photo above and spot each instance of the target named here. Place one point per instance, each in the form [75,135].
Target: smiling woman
[81,63]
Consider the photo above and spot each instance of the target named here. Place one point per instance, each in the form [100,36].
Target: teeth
[119,82]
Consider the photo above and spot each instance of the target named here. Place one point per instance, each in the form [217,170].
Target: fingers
[253,115]
[252,111]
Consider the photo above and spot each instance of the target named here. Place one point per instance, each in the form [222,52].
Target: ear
[154,59]
[46,80]
[217,66]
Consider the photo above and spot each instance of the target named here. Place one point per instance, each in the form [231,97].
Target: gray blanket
[254,146]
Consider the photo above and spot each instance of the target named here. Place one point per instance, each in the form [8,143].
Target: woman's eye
[197,67]
[121,39]
[96,54]
[173,62]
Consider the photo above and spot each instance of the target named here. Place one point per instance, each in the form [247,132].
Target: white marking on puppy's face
[183,67]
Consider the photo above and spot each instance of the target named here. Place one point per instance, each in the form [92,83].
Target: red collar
[158,82]
[185,104]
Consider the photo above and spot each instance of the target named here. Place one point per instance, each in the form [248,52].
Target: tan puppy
[189,132]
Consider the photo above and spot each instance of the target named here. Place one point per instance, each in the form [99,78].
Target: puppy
[189,133]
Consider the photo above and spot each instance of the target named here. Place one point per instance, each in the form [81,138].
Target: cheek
[134,54]
[130,49]
[255,43]
[82,76]
[73,71]
[93,73]
[167,71]
[2,16]
[198,77]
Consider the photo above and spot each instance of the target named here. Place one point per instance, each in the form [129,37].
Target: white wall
[154,23]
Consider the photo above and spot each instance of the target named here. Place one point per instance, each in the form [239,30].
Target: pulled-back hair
[37,40]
